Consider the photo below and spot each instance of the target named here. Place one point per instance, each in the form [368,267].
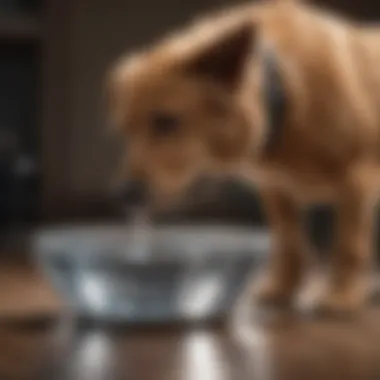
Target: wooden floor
[36,345]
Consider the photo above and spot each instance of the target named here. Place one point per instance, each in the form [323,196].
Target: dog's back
[330,68]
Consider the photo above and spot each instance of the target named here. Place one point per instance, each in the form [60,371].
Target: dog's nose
[133,193]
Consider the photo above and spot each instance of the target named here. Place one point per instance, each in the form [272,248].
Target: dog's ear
[223,58]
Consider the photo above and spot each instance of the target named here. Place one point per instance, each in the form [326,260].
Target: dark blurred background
[57,159]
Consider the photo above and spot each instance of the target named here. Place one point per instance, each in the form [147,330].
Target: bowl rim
[84,240]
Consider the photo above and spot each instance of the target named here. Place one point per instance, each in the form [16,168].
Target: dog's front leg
[290,252]
[347,285]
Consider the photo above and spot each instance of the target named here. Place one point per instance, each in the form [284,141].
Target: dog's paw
[271,292]
[340,302]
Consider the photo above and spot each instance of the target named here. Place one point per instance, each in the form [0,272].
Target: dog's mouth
[204,189]
[137,199]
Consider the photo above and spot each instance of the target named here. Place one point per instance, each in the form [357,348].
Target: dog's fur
[209,79]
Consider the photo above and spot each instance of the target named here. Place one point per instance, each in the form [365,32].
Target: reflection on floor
[287,346]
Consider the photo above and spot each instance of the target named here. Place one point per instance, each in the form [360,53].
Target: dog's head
[182,106]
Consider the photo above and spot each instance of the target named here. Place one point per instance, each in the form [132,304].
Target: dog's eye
[164,124]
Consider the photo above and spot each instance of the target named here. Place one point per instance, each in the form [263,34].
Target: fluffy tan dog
[196,104]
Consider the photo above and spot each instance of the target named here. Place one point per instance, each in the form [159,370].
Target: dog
[282,94]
